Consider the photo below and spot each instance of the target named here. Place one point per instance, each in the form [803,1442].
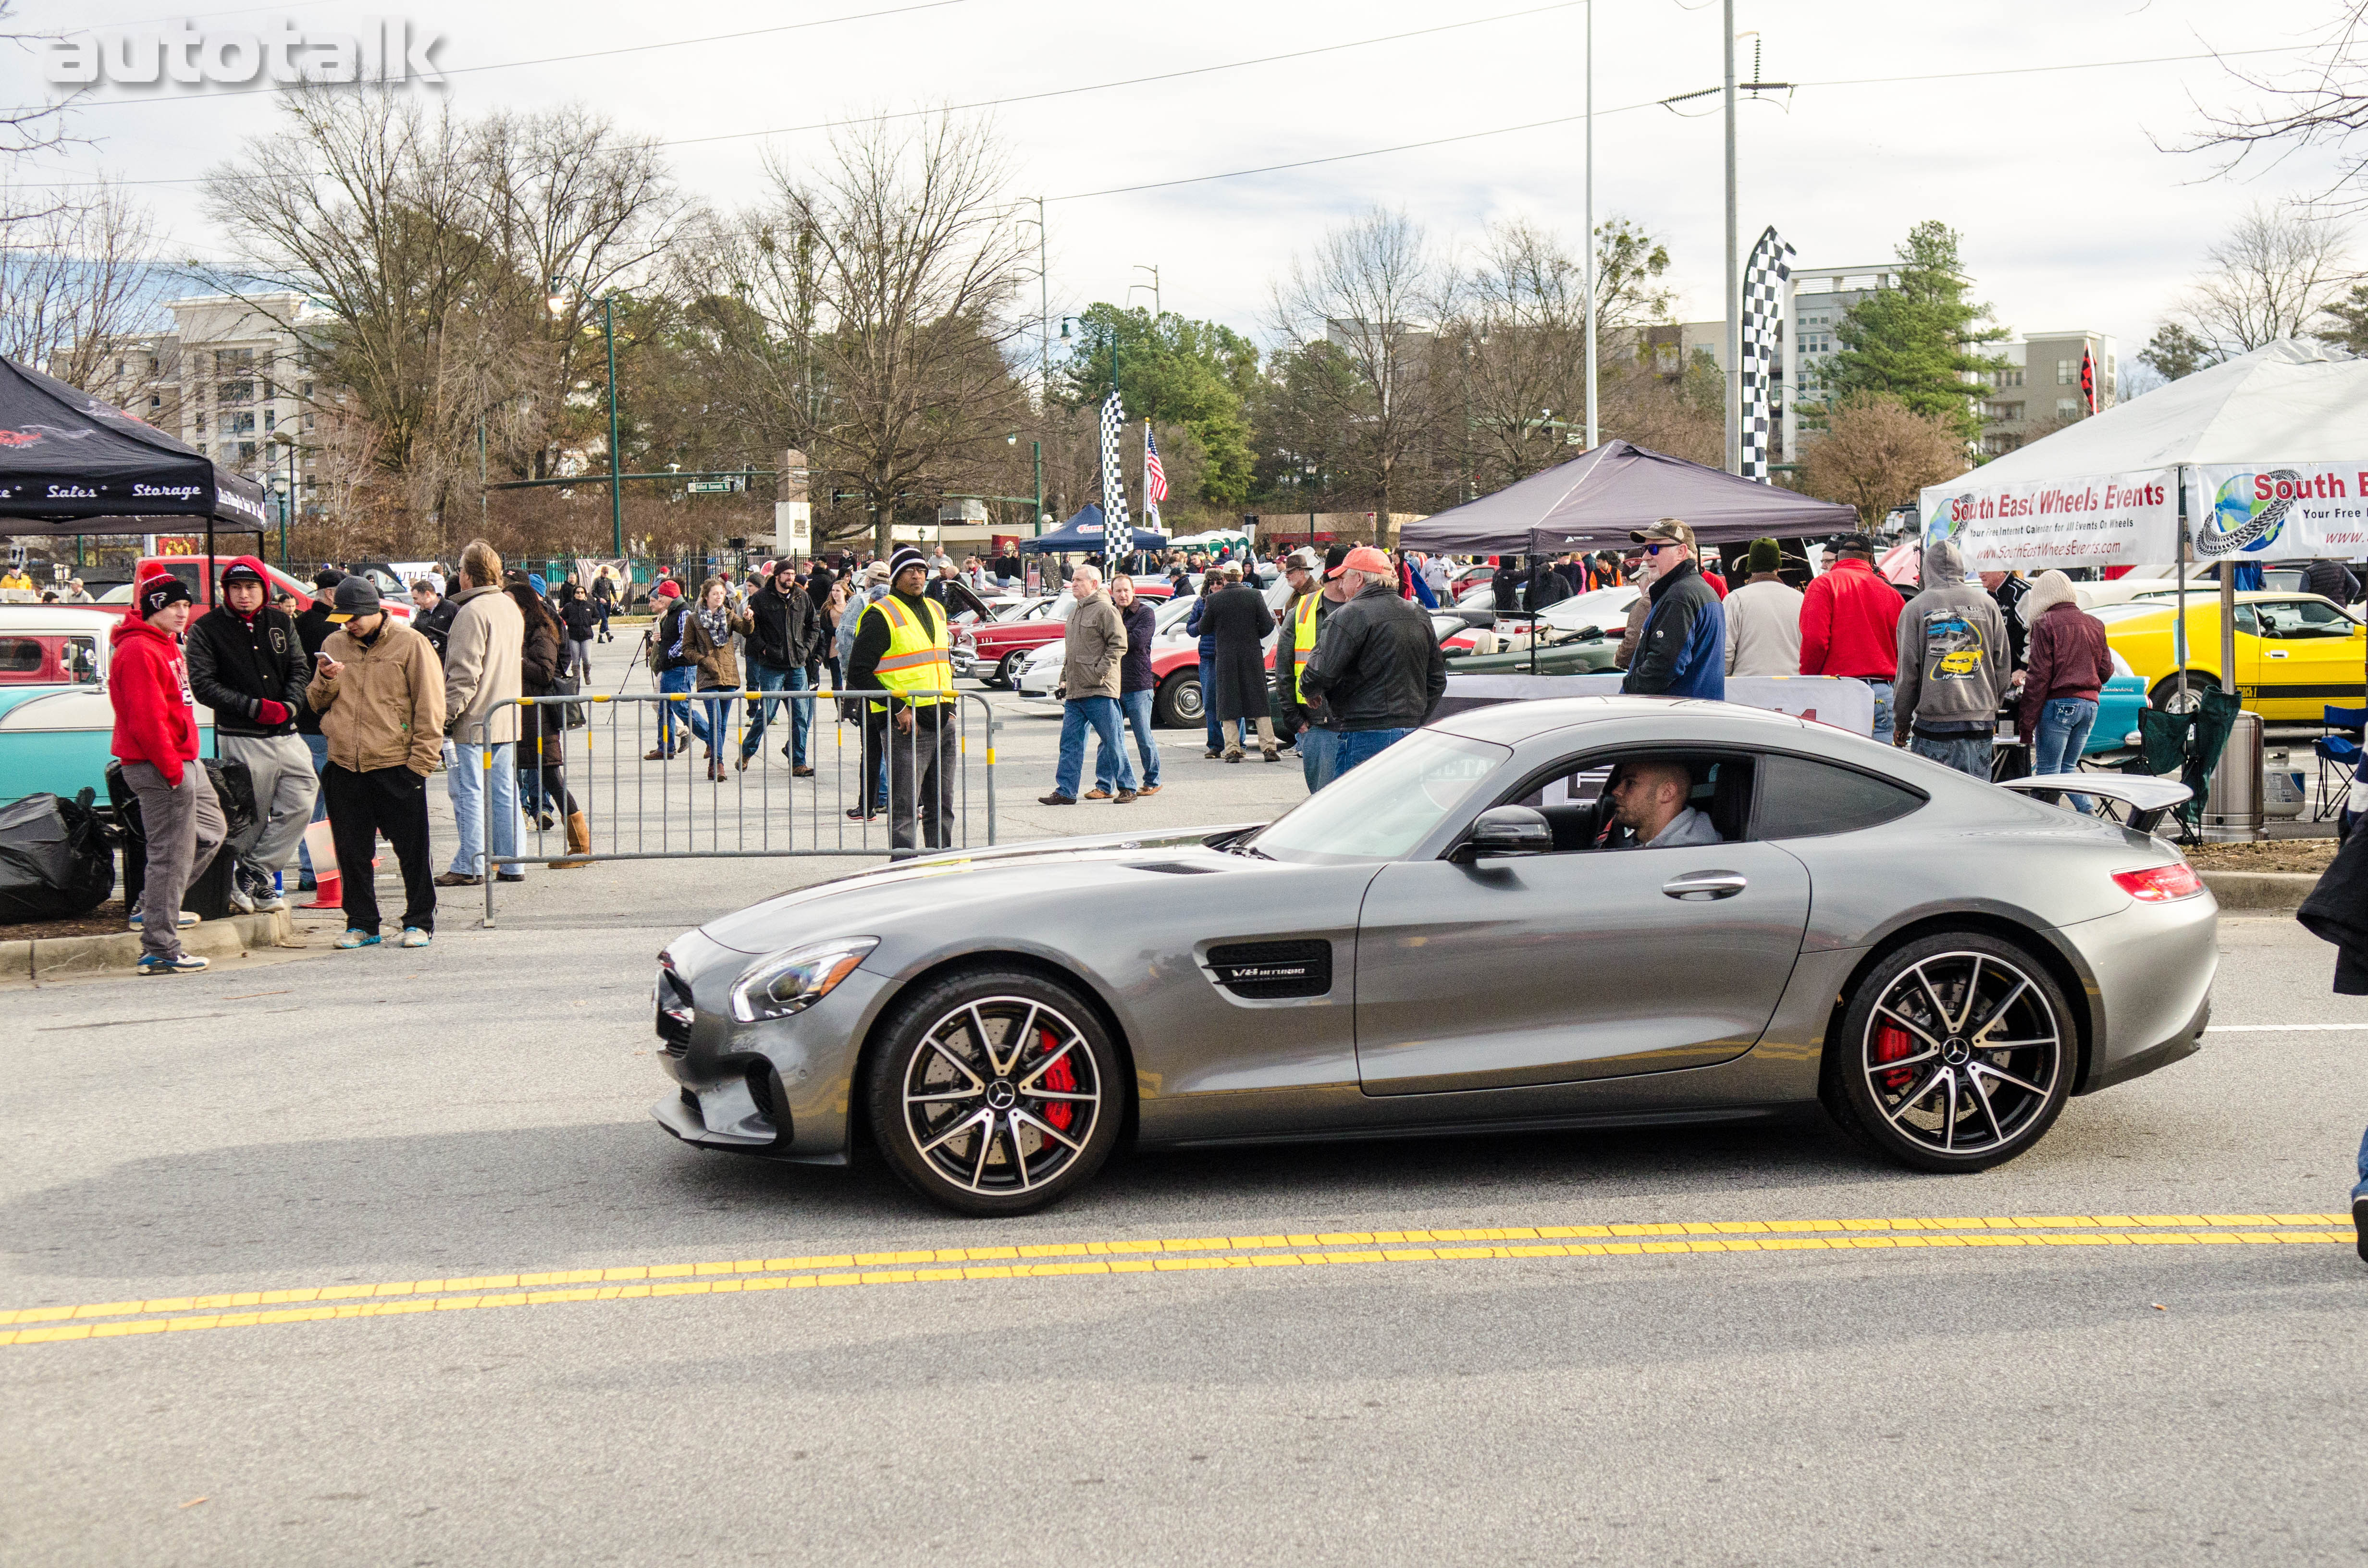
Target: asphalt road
[452,1148]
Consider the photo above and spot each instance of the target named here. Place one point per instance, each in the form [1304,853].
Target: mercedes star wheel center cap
[1956,1053]
[1001,1095]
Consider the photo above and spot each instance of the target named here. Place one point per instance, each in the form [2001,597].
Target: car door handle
[1706,885]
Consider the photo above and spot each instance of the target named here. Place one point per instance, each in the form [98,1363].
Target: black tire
[1908,1074]
[1007,670]
[1179,704]
[962,1128]
[2165,691]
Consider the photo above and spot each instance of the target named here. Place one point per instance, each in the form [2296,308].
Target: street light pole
[616,485]
[1733,272]
[1036,518]
[1590,228]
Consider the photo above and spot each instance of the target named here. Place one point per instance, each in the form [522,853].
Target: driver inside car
[1649,798]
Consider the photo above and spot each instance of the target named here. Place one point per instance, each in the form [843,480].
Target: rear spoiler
[2147,797]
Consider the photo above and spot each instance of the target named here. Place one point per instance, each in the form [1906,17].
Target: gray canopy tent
[1592,501]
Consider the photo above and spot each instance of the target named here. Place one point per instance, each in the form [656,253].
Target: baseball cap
[356,595]
[162,589]
[245,569]
[327,577]
[876,573]
[1669,530]
[1365,558]
[1300,560]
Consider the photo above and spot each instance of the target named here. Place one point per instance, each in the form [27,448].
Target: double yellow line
[247,1309]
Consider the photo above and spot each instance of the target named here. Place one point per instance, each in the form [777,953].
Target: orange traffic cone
[329,892]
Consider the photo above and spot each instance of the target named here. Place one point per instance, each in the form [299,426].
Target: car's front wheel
[1955,1053]
[995,1092]
[1178,705]
[1006,671]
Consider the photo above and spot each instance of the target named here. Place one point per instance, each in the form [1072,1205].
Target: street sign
[712,486]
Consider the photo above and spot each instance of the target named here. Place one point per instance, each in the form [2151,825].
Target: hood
[937,884]
[2052,588]
[1942,565]
[130,628]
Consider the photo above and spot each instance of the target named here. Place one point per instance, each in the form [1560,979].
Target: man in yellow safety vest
[904,651]
[1313,597]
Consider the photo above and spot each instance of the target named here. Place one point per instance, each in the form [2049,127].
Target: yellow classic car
[2296,652]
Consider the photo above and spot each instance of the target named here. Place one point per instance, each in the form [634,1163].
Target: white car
[1041,672]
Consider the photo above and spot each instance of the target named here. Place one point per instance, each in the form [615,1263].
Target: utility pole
[1143,267]
[616,468]
[1592,431]
[1734,270]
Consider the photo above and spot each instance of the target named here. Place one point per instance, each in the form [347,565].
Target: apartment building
[2039,390]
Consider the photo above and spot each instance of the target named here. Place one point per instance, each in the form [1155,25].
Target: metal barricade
[708,775]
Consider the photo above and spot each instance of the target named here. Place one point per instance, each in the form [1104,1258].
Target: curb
[2260,893]
[61,958]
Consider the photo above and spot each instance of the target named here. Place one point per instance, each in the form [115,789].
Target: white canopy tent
[2267,452]
[1211,540]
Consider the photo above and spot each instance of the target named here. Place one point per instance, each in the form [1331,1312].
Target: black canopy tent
[72,465]
[1592,502]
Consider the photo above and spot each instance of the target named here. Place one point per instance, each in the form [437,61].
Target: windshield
[1383,808]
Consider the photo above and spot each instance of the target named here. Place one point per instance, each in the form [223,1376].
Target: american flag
[1155,478]
[1117,532]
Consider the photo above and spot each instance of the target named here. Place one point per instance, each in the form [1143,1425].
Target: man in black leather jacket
[779,647]
[1377,672]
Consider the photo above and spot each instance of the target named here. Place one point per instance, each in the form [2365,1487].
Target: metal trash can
[2232,808]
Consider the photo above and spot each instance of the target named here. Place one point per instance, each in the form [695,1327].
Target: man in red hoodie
[157,738]
[1850,626]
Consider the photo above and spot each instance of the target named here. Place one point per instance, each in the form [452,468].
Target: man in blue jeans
[1134,695]
[1377,672]
[784,636]
[1091,654]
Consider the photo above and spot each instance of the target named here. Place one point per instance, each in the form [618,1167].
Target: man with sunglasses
[1681,650]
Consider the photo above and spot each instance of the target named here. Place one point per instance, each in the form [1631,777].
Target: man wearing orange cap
[1377,672]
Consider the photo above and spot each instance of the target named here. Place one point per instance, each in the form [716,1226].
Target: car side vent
[1177,868]
[1263,970]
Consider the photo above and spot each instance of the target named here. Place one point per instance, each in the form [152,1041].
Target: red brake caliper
[1061,1078]
[1891,1043]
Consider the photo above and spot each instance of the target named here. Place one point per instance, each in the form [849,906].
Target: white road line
[2273,1028]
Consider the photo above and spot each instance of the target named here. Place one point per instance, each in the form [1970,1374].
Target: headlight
[792,980]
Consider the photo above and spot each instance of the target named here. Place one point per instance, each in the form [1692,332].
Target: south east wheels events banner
[2279,511]
[2110,519]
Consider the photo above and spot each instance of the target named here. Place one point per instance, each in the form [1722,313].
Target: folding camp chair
[2338,754]
[2192,744]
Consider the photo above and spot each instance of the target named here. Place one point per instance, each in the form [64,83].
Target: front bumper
[783,1087]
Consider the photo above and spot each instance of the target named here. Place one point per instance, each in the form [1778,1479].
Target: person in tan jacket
[484,651]
[380,694]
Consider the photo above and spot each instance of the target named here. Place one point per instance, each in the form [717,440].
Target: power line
[1650,103]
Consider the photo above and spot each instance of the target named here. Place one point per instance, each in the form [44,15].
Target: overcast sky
[2071,216]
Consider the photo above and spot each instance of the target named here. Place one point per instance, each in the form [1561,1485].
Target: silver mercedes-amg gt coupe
[1457,936]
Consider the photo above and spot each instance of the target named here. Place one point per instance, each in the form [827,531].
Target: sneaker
[267,895]
[187,919]
[1125,797]
[238,897]
[1056,799]
[359,938]
[170,964]
[413,936]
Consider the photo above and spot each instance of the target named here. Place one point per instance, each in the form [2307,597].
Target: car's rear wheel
[1007,670]
[996,1092]
[1955,1053]
[1178,705]
[2166,696]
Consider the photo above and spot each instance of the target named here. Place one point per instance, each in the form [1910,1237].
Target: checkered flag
[1117,532]
[1764,282]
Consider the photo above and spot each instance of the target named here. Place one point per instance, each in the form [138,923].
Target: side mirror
[1506,830]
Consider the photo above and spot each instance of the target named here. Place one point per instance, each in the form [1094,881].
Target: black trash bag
[207,895]
[55,862]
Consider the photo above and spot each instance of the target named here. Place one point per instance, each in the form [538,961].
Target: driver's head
[1648,793]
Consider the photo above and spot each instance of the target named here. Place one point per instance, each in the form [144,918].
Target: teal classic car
[56,724]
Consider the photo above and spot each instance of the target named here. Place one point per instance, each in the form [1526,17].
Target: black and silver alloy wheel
[995,1094]
[1956,1053]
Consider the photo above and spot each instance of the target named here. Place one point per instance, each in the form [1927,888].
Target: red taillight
[2159,884]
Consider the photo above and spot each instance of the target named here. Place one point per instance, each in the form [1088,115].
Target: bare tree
[578,210]
[2269,277]
[1365,298]
[74,282]
[378,209]
[1876,453]
[2321,103]
[875,298]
